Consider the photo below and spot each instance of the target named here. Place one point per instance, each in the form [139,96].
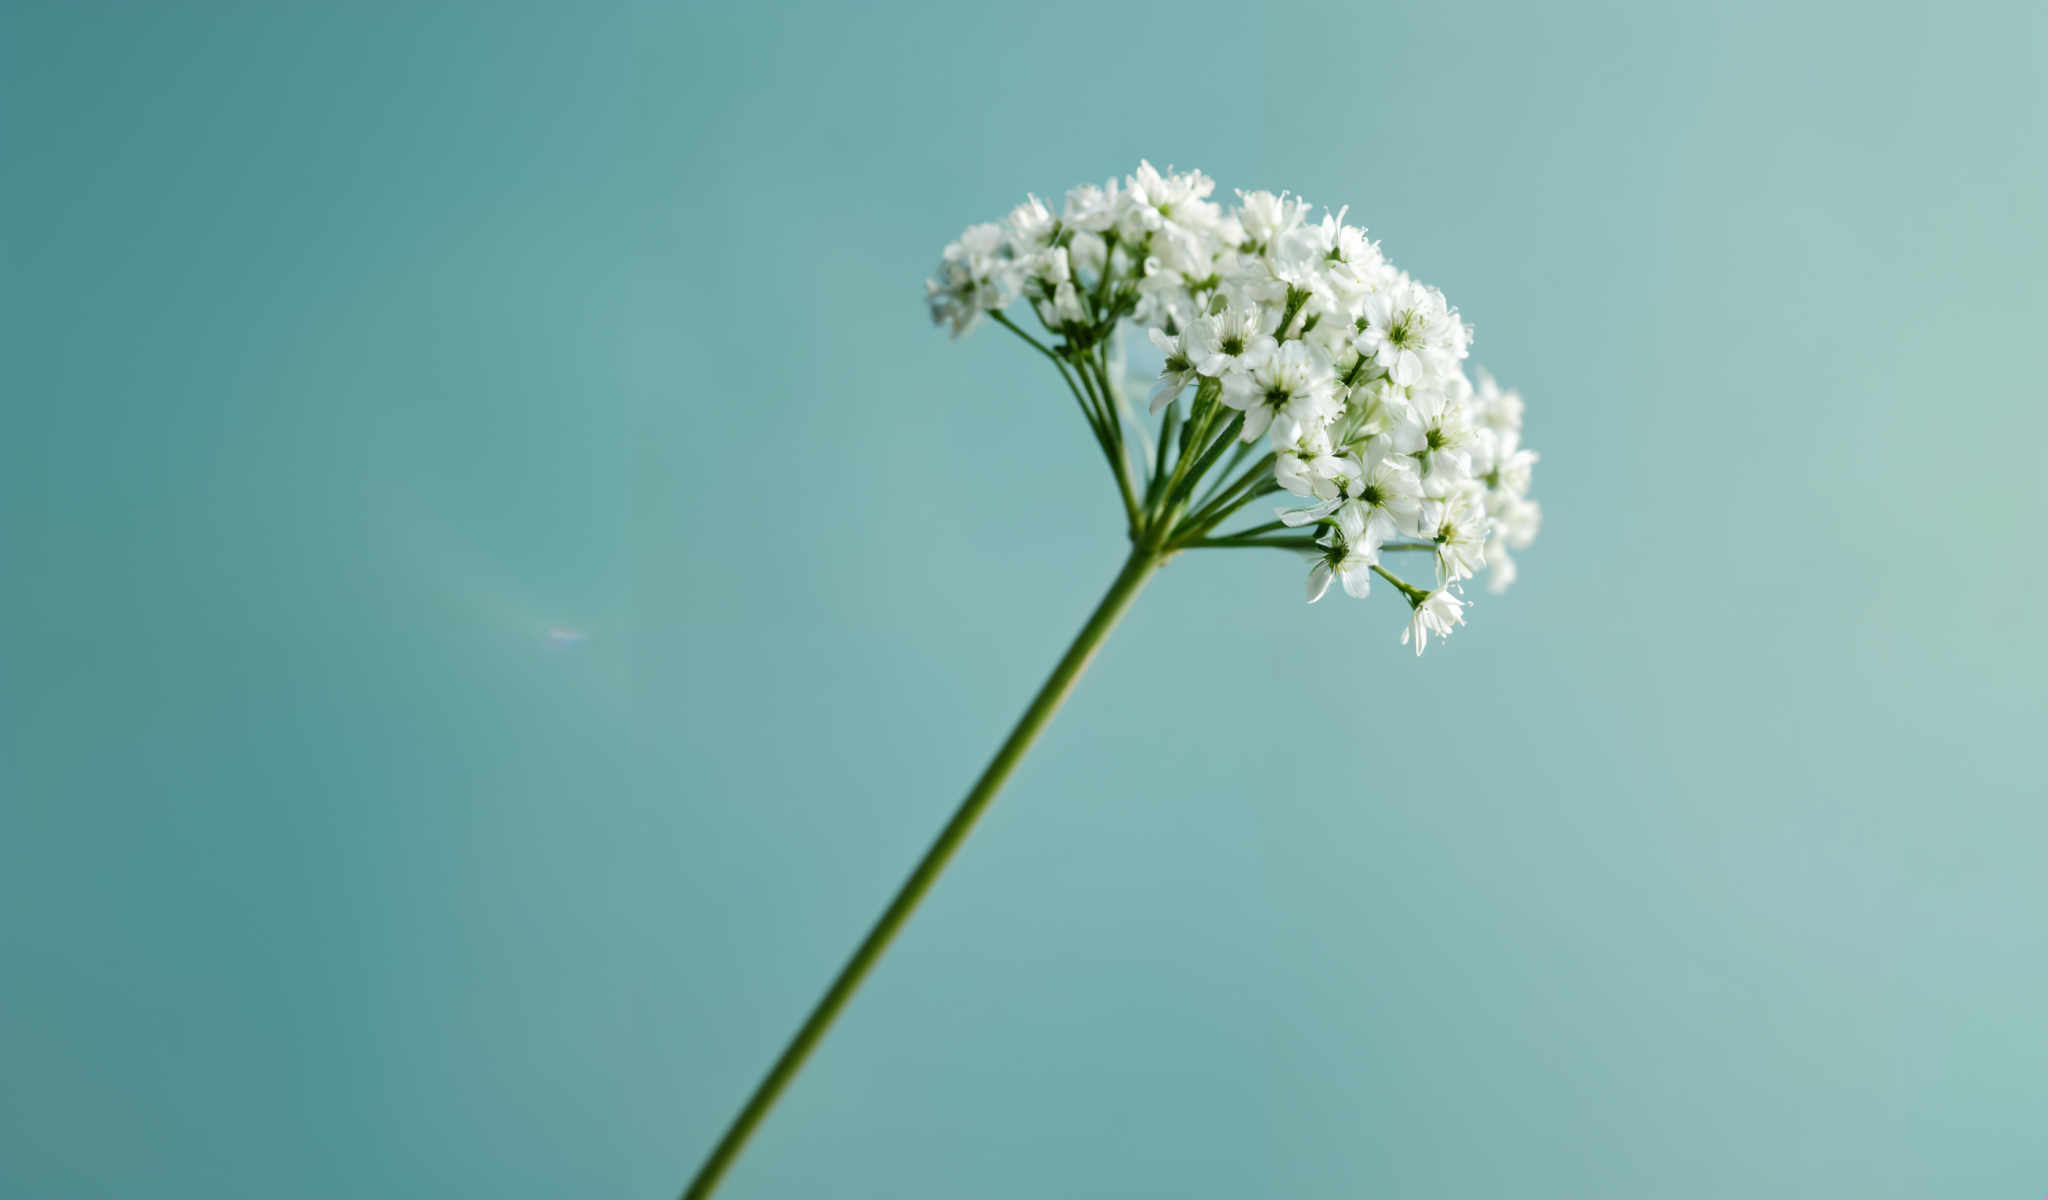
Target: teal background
[351,349]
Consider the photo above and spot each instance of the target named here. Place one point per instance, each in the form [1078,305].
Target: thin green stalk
[1137,569]
[1255,482]
[1108,436]
[1256,530]
[1177,492]
[1100,407]
[1223,478]
[1201,413]
[1102,279]
[1169,428]
[1110,394]
[1225,439]
[1119,462]
[1294,543]
[1059,364]
[1414,594]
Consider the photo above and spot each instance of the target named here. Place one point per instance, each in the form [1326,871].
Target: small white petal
[1294,518]
[1318,580]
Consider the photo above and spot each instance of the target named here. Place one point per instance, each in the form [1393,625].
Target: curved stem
[1194,435]
[1108,434]
[1177,495]
[1137,569]
[1013,327]
[1414,594]
[1255,482]
[1113,413]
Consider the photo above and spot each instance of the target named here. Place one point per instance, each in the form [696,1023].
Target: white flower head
[1437,434]
[1063,308]
[1296,382]
[1178,372]
[978,273]
[1501,460]
[1388,499]
[1173,204]
[1303,463]
[1412,334]
[1438,613]
[1456,525]
[1500,568]
[1091,209]
[1228,341]
[1268,219]
[1032,224]
[1348,563]
[1495,407]
[1298,331]
[1516,520]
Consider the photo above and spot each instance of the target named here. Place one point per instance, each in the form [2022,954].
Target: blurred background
[503,581]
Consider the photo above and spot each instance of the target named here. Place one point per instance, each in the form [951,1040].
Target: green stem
[1256,530]
[1296,543]
[1017,329]
[1102,278]
[1255,482]
[1120,462]
[1136,571]
[1201,412]
[1169,429]
[1223,478]
[1414,594]
[1108,436]
[1178,494]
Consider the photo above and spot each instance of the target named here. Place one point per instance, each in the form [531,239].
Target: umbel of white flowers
[1293,358]
[1276,326]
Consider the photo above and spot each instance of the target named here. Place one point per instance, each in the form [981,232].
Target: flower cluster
[1274,324]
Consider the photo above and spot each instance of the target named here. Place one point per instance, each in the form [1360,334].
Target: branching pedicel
[1287,329]
[1293,329]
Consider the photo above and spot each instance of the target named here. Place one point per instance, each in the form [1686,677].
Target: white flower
[1437,435]
[1371,409]
[1303,463]
[1412,334]
[1032,224]
[1266,218]
[1063,309]
[977,274]
[1457,525]
[1091,208]
[1227,341]
[1351,564]
[1297,382]
[1178,371]
[1507,465]
[1175,205]
[1387,500]
[1516,521]
[1087,251]
[1495,407]
[1437,613]
[1500,569]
